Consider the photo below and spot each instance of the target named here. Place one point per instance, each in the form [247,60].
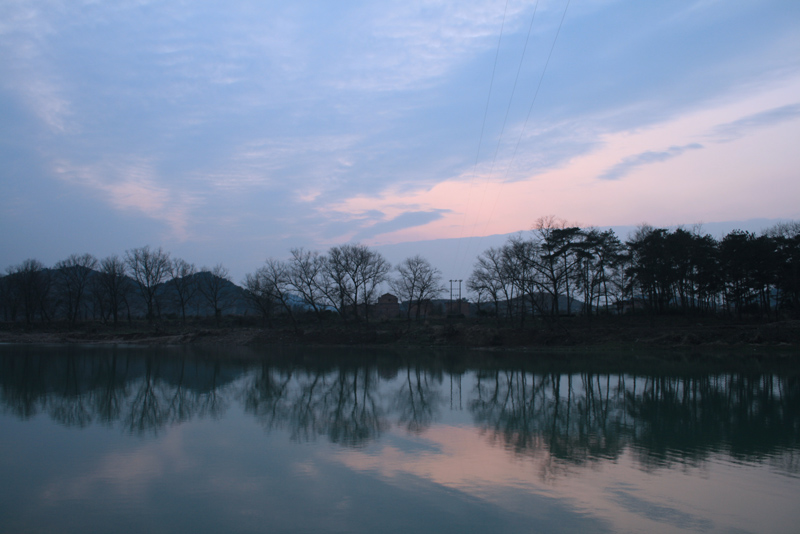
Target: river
[165,439]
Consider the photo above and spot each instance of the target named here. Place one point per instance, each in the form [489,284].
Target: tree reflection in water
[418,399]
[588,417]
[569,419]
[143,393]
[342,404]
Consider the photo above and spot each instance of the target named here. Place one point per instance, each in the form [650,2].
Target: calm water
[176,439]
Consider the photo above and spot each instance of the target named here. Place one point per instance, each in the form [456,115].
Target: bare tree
[306,270]
[149,268]
[353,273]
[275,278]
[31,284]
[337,286]
[374,272]
[785,229]
[418,281]
[213,285]
[113,287]
[489,276]
[73,275]
[10,296]
[259,293]
[183,283]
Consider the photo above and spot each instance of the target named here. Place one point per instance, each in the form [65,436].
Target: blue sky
[232,131]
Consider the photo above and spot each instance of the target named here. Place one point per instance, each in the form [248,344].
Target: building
[387,307]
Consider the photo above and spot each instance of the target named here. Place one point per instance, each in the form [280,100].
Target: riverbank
[568,333]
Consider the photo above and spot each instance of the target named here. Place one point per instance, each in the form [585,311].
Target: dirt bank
[574,333]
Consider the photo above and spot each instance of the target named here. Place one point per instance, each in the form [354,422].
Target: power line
[505,120]
[483,126]
[527,117]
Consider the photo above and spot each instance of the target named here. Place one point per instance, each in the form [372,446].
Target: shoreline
[565,336]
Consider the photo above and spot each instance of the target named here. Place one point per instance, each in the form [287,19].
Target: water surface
[127,439]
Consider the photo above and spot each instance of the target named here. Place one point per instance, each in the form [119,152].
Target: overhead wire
[480,139]
[503,127]
[527,118]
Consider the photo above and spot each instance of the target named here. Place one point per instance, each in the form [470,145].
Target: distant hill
[233,296]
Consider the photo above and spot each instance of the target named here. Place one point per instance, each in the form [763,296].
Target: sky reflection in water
[129,439]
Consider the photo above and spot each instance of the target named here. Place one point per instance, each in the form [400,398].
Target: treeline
[345,281]
[143,283]
[149,283]
[559,266]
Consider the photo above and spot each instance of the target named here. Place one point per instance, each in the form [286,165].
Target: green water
[127,439]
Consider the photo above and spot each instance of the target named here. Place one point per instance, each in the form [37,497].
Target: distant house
[387,307]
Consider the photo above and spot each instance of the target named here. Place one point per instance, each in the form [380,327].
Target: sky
[229,132]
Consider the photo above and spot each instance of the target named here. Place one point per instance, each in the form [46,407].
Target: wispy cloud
[307,166]
[26,69]
[407,45]
[404,221]
[280,121]
[650,157]
[731,131]
[45,99]
[134,185]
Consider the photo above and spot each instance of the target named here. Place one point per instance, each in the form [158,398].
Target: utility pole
[458,297]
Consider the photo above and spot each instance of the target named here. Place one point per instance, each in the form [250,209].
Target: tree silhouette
[212,284]
[417,282]
[73,276]
[149,268]
[183,283]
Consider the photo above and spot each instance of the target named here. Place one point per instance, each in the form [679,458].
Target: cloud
[133,185]
[409,44]
[129,473]
[624,495]
[26,69]
[46,102]
[409,219]
[291,121]
[630,163]
[306,164]
[731,131]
